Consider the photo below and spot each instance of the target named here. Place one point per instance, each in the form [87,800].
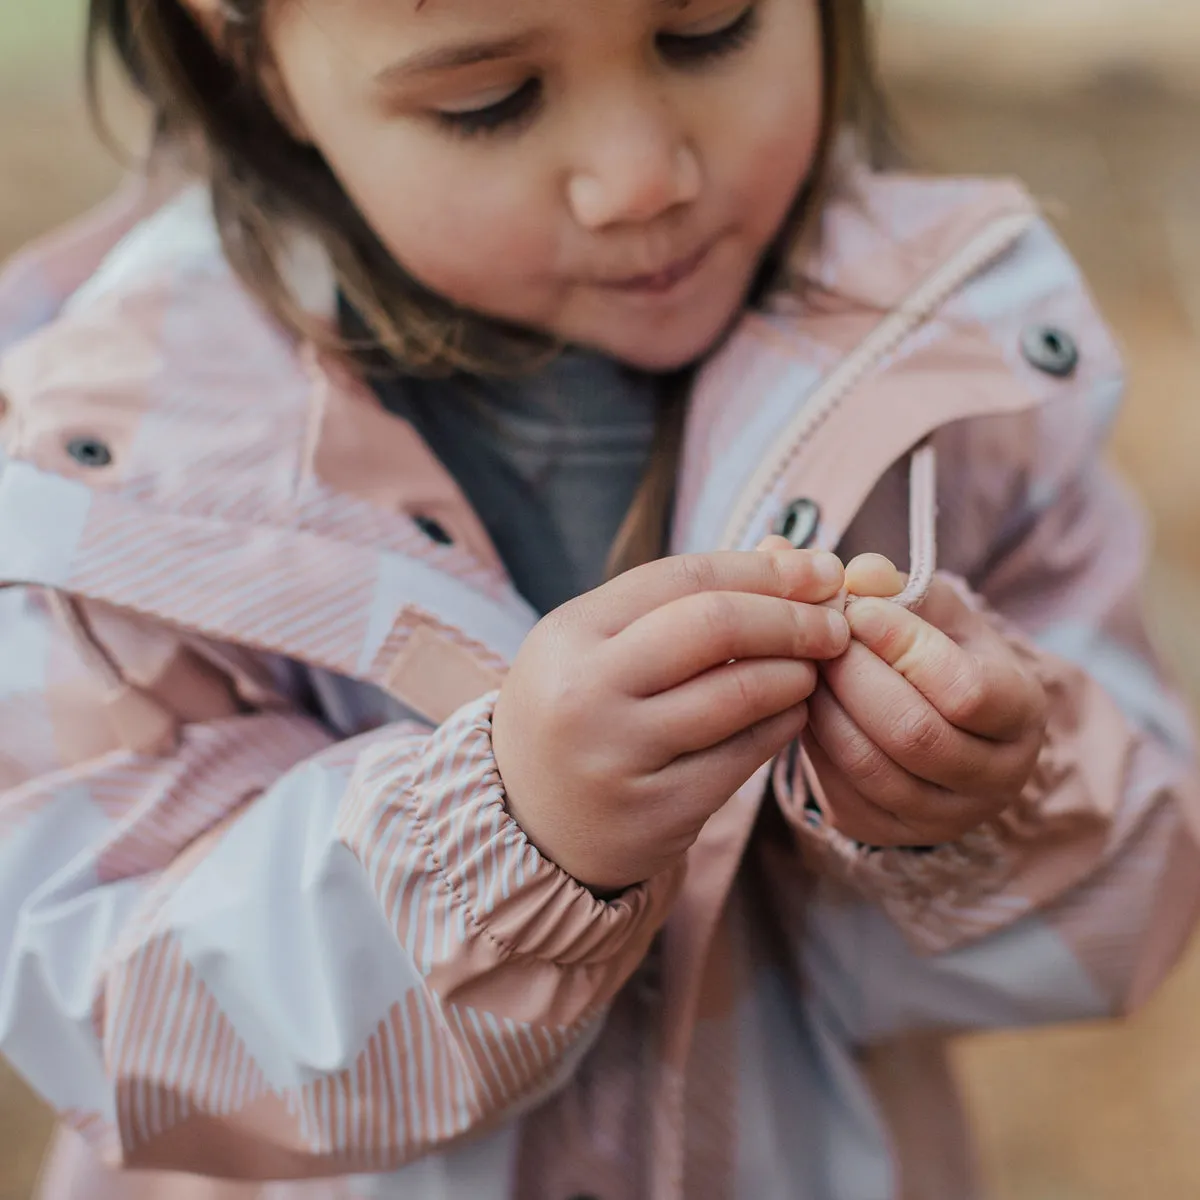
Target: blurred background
[1096,104]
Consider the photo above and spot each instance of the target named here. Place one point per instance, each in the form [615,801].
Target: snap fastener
[433,531]
[799,522]
[89,452]
[1051,350]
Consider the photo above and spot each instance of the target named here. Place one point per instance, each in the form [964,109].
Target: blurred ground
[1108,1114]
[1102,118]
[1096,103]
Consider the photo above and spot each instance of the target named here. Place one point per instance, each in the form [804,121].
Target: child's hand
[928,725]
[633,713]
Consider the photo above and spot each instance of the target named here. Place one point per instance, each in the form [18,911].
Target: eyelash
[687,53]
[508,114]
[684,51]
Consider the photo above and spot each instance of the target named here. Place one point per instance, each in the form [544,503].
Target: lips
[657,282]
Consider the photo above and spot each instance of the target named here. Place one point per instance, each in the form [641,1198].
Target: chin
[663,350]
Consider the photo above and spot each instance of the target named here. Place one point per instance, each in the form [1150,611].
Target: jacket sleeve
[1079,899]
[268,954]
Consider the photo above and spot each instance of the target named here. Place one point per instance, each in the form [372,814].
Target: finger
[712,708]
[976,690]
[687,637]
[909,730]
[728,765]
[873,575]
[849,813]
[774,542]
[808,576]
[933,812]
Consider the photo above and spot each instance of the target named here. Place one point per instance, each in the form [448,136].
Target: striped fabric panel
[166,804]
[297,744]
[296,593]
[344,518]
[427,1075]
[191,1060]
[260,592]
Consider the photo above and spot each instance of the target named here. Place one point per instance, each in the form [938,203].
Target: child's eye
[695,49]
[507,113]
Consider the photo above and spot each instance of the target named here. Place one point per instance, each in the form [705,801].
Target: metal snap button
[433,531]
[1051,350]
[89,452]
[799,522]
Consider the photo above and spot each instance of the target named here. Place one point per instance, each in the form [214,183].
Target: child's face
[608,171]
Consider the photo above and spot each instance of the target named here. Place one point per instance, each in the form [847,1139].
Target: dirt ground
[1071,1114]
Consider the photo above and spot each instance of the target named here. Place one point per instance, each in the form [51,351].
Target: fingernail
[838,628]
[827,568]
[867,618]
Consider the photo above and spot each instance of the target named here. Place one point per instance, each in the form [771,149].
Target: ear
[210,15]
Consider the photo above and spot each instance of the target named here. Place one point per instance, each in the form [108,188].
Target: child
[386,802]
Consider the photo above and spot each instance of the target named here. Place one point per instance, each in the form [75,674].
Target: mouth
[658,283]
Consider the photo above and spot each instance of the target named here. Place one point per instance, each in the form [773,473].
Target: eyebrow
[446,58]
[469,54]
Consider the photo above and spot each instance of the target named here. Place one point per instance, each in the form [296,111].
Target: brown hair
[207,95]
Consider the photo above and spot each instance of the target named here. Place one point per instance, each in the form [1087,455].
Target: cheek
[778,159]
[779,132]
[440,208]
[440,219]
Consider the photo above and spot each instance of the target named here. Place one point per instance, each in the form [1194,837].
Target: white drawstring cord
[922,526]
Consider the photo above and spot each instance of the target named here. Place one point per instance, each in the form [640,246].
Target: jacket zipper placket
[885,339]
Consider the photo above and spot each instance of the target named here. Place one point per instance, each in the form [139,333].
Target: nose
[637,164]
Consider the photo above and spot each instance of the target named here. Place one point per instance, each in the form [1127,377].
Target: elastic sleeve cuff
[443,805]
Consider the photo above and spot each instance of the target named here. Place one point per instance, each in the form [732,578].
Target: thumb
[875,576]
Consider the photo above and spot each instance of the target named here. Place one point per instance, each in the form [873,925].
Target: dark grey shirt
[550,462]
